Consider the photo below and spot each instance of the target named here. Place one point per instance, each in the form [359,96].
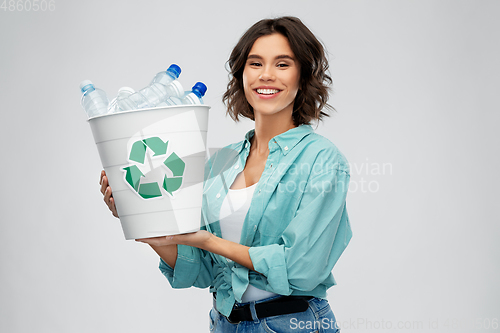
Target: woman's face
[271,76]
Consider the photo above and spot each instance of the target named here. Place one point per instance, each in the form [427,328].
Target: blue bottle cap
[199,89]
[174,70]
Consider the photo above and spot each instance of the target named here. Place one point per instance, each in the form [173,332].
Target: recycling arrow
[156,145]
[133,176]
[173,162]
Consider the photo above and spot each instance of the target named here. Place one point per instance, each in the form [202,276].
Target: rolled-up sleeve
[193,267]
[313,240]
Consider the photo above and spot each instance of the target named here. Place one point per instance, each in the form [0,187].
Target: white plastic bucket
[154,160]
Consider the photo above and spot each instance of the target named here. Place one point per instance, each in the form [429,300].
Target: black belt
[275,307]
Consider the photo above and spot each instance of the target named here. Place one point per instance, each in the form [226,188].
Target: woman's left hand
[197,239]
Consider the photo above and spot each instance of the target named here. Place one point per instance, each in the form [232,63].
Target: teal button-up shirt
[297,225]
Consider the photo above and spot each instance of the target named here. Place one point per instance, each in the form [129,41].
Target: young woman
[274,204]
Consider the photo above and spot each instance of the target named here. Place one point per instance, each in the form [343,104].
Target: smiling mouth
[267,91]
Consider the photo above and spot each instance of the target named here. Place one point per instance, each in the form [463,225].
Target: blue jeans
[317,318]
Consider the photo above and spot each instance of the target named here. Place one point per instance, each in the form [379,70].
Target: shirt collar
[286,141]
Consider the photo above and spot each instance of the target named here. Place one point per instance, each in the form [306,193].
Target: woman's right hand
[108,196]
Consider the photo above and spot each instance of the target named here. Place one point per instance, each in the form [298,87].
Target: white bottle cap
[177,86]
[127,90]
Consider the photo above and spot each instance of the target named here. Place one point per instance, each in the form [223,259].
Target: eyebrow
[281,56]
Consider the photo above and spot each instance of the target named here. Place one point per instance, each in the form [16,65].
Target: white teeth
[267,91]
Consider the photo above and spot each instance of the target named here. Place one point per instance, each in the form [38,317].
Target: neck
[267,127]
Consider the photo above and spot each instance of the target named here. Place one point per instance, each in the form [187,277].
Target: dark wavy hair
[314,85]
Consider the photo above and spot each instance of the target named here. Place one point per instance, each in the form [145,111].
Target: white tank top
[232,215]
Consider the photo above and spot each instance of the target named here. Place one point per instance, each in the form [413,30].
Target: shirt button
[259,191]
[236,166]
[218,195]
[254,227]
[286,147]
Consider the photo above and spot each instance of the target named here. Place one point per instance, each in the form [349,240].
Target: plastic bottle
[94,100]
[123,93]
[190,97]
[163,86]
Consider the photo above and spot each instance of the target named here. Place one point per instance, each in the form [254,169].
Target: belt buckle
[234,314]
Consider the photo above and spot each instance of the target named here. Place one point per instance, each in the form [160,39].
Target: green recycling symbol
[133,175]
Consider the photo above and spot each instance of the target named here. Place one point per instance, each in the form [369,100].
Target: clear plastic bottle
[163,86]
[94,100]
[123,93]
[190,97]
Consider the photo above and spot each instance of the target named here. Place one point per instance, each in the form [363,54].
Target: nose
[267,74]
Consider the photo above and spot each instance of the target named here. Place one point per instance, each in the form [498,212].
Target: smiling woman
[307,54]
[271,78]
[274,204]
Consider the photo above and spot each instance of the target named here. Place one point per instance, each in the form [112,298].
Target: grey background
[416,93]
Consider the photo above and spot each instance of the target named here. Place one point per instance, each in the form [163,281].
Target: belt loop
[313,304]
[253,312]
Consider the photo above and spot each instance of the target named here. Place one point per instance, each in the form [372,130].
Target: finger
[150,241]
[107,196]
[157,241]
[103,173]
[104,184]
[113,209]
